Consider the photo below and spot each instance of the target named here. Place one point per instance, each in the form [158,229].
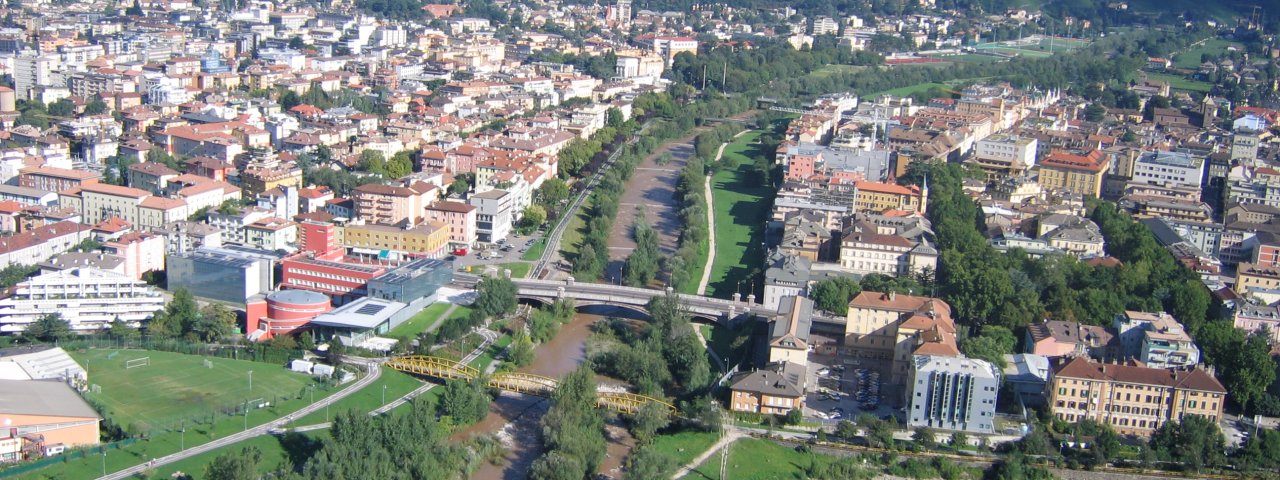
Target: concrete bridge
[637,299]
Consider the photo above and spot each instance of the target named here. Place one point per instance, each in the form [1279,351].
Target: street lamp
[246,415]
[104,461]
[384,394]
[182,437]
[250,380]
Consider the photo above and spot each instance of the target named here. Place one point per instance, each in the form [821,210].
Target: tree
[495,297]
[551,193]
[1195,441]
[521,351]
[242,465]
[534,216]
[834,294]
[50,327]
[95,107]
[642,263]
[1250,370]
[62,108]
[793,417]
[465,401]
[400,165]
[1095,112]
[648,462]
[925,437]
[461,184]
[214,322]
[307,341]
[372,161]
[846,430]
[297,43]
[159,155]
[651,417]
[587,265]
[336,350]
[992,345]
[959,439]
[120,330]
[290,99]
[162,326]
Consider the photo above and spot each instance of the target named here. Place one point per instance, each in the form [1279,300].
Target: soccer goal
[137,362]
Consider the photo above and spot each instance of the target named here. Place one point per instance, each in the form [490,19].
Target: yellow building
[254,181]
[878,197]
[1076,173]
[428,239]
[888,329]
[1254,275]
[775,389]
[1134,400]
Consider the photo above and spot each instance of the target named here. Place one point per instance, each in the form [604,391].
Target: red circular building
[286,311]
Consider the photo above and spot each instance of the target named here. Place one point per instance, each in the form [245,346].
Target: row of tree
[573,431]
[685,267]
[661,356]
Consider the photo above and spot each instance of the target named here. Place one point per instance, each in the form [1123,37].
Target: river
[518,416]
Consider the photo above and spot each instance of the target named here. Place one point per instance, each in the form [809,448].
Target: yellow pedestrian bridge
[525,383]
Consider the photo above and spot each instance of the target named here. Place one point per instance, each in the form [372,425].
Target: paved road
[371,367]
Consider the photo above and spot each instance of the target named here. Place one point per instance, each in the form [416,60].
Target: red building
[343,279]
[319,238]
[283,312]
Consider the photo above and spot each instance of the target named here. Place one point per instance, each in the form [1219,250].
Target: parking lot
[842,392]
[489,254]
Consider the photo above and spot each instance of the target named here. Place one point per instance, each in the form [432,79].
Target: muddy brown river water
[517,416]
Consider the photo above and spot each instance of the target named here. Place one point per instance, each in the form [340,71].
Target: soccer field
[174,386]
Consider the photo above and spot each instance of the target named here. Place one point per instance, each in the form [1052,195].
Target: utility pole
[704,76]
[250,380]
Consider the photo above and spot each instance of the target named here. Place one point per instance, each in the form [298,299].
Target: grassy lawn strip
[755,459]
[1179,82]
[368,398]
[274,456]
[900,92]
[535,250]
[740,201]
[1191,58]
[518,269]
[420,321]
[685,446]
[571,241]
[177,387]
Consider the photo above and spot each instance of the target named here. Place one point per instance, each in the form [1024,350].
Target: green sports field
[176,386]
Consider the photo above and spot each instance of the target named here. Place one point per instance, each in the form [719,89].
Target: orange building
[50,409]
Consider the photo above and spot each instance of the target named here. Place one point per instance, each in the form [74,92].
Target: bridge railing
[526,383]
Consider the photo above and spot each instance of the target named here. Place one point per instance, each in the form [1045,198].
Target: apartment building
[494,214]
[1004,155]
[1134,400]
[1076,173]
[461,219]
[774,390]
[1157,339]
[87,298]
[391,204]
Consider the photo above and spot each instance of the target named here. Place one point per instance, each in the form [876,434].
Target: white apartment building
[1170,169]
[494,214]
[1005,153]
[31,70]
[88,298]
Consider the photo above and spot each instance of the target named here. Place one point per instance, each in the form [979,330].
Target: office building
[952,393]
[231,274]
